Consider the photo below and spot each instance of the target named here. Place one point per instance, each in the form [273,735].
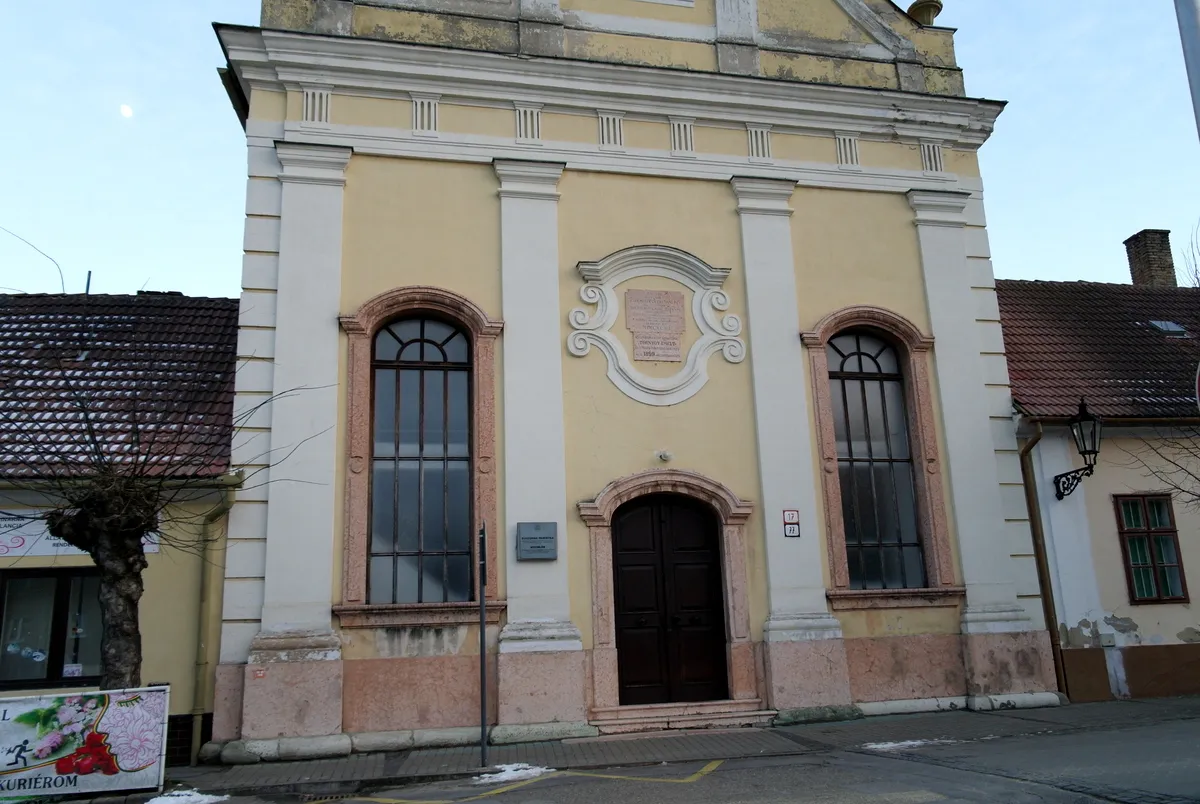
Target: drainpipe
[1045,588]
[200,688]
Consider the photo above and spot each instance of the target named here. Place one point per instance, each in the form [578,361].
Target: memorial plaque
[655,317]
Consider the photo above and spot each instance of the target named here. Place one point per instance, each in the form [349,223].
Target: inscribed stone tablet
[654,311]
[656,346]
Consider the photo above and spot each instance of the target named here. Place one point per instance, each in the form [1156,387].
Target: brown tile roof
[1065,340]
[150,375]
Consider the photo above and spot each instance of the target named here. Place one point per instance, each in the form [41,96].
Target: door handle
[676,621]
[641,622]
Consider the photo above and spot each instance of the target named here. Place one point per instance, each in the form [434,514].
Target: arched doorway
[669,605]
[731,512]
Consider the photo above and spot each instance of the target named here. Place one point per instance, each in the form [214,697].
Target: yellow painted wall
[828,70]
[418,222]
[169,610]
[570,127]
[264,105]
[468,33]
[1119,471]
[482,120]
[640,50]
[804,148]
[856,248]
[889,155]
[354,110]
[899,622]
[716,140]
[702,13]
[964,163]
[814,19]
[609,435]
[645,134]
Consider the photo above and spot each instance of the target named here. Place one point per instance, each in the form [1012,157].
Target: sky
[1098,140]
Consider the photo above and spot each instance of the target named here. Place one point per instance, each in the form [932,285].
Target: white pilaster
[300,518]
[992,605]
[539,609]
[796,588]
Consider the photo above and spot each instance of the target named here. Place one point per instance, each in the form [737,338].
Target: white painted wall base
[540,636]
[912,706]
[1023,700]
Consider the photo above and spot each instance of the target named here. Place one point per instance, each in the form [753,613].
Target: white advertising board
[83,743]
[23,534]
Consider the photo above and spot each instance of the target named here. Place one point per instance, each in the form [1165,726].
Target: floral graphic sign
[83,743]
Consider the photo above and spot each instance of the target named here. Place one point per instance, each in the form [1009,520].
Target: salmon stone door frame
[360,329]
[732,512]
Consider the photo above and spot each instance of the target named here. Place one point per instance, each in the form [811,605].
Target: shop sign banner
[96,742]
[24,534]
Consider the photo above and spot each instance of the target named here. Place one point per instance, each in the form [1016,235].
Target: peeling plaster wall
[863,43]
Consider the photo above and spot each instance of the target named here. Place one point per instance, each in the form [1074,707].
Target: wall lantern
[1085,429]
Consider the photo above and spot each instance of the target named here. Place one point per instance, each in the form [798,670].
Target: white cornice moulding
[312,164]
[274,58]
[939,207]
[718,333]
[764,196]
[583,156]
[536,180]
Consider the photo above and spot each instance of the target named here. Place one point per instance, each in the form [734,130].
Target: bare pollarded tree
[116,424]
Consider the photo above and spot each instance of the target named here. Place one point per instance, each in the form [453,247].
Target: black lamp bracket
[1067,482]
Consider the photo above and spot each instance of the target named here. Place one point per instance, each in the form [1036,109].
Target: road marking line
[695,777]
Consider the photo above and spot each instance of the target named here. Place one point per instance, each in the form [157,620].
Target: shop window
[51,629]
[1150,545]
[875,463]
[420,514]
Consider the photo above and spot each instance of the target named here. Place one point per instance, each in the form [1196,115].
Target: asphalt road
[1153,764]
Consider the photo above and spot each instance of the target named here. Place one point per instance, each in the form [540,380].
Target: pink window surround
[360,328]
[914,348]
[732,513]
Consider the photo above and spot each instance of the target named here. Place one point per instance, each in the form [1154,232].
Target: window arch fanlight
[885,512]
[420,478]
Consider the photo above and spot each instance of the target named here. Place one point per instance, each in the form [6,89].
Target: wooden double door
[670,609]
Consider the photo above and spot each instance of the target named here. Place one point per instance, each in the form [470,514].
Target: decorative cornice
[718,332]
[627,263]
[536,180]
[272,58]
[313,164]
[939,207]
[763,196]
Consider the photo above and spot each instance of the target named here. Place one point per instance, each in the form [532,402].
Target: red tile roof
[1066,340]
[151,376]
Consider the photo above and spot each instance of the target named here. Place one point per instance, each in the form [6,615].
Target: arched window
[875,463]
[421,497]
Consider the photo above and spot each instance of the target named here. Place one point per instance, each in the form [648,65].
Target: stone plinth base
[807,674]
[1008,663]
[293,686]
[542,688]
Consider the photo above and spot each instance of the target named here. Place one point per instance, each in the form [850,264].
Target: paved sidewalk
[361,772]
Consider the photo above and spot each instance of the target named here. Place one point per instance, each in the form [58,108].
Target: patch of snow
[905,745]
[186,797]
[505,773]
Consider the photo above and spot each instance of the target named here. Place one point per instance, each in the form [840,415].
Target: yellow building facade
[688,305]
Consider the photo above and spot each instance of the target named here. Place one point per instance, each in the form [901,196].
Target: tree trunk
[121,566]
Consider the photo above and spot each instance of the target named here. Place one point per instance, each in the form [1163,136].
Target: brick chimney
[1150,261]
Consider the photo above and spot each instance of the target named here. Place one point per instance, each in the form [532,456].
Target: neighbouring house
[688,304]
[77,372]
[1119,545]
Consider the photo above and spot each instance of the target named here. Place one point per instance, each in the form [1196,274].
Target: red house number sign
[791,523]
